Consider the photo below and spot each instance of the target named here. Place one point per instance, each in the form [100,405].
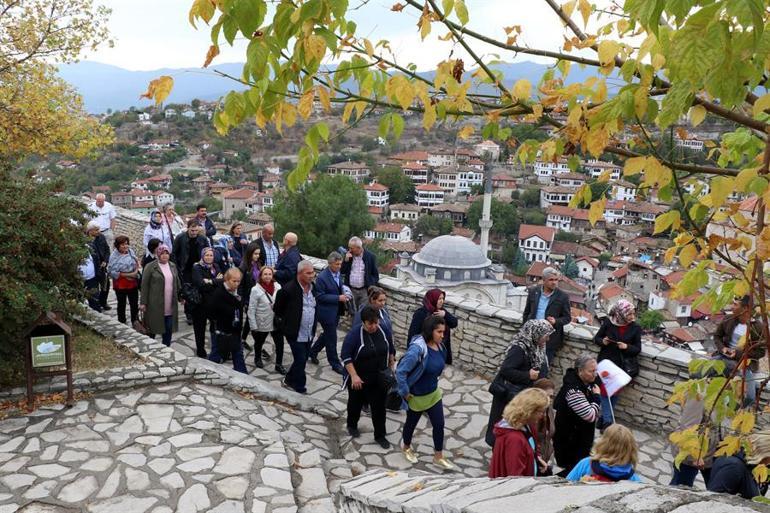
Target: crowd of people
[260,288]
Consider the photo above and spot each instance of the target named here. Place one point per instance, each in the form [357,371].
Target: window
[447,275]
[467,275]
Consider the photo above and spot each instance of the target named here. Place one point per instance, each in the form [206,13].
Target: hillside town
[615,258]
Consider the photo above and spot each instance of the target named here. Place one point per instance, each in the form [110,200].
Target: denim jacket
[412,365]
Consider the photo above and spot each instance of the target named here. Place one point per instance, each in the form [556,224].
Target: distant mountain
[104,86]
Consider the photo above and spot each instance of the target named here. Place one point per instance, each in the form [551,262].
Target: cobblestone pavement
[194,447]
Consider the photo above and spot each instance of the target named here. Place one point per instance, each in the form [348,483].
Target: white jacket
[260,312]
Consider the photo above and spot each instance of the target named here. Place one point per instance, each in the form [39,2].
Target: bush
[40,251]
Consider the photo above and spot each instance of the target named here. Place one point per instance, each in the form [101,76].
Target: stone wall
[398,492]
[484,332]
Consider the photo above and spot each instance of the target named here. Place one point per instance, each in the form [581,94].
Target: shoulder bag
[139,324]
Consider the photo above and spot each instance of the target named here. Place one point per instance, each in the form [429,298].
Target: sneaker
[106,308]
[383,442]
[410,455]
[443,463]
[280,369]
[354,432]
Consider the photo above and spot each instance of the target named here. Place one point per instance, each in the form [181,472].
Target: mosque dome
[452,252]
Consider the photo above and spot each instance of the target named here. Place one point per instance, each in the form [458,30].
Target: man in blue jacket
[332,303]
[360,271]
[286,268]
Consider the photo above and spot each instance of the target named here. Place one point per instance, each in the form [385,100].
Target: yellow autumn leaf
[213,52]
[762,104]
[671,219]
[347,111]
[687,255]
[658,60]
[585,11]
[537,110]
[608,49]
[465,132]
[424,25]
[369,48]
[760,473]
[721,187]
[203,9]
[159,89]
[429,116]
[744,177]
[729,446]
[569,8]
[634,166]
[325,98]
[522,89]
[315,46]
[744,422]
[697,115]
[305,105]
[596,211]
[669,255]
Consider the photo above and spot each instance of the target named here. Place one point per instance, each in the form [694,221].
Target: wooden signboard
[48,350]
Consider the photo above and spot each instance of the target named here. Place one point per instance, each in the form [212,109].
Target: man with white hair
[546,301]
[105,215]
[295,306]
[360,271]
[100,254]
[288,260]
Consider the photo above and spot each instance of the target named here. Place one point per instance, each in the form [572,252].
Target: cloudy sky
[152,34]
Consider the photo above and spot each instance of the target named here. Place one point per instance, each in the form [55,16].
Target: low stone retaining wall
[398,492]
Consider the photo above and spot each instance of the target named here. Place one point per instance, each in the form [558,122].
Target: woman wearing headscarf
[161,291]
[377,300]
[433,304]
[123,267]
[240,242]
[157,229]
[205,278]
[173,222]
[620,339]
[525,362]
[223,255]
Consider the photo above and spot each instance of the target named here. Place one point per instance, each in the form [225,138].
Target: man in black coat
[225,308]
[359,271]
[295,311]
[187,249]
[100,252]
[547,302]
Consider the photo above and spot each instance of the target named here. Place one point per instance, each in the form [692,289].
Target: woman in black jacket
[250,267]
[433,304]
[525,362]
[620,339]
[206,276]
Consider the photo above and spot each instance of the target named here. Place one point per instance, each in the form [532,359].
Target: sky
[153,34]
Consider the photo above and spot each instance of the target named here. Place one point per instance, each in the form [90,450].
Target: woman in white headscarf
[620,339]
[525,362]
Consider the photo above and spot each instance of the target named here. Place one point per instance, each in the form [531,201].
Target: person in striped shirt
[577,409]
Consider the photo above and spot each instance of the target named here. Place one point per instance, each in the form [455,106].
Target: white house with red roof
[545,171]
[489,148]
[416,171]
[535,242]
[587,267]
[377,195]
[356,171]
[391,232]
[428,195]
[563,218]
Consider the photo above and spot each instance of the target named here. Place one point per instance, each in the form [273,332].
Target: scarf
[268,287]
[209,267]
[527,338]
[161,248]
[153,224]
[430,301]
[620,313]
[121,263]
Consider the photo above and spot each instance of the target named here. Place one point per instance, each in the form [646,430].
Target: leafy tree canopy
[651,319]
[505,219]
[401,187]
[433,226]
[324,213]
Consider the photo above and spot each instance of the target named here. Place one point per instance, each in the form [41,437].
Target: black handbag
[393,400]
[386,378]
[631,365]
[191,294]
[501,387]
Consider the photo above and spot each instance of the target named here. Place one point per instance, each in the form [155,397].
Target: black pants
[104,291]
[495,414]
[133,303]
[374,395]
[259,341]
[199,328]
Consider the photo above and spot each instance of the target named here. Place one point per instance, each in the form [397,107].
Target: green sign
[48,351]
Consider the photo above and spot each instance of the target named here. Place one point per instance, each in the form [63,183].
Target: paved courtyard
[194,447]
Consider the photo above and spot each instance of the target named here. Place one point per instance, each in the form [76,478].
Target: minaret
[485,223]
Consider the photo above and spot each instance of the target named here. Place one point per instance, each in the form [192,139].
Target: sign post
[47,350]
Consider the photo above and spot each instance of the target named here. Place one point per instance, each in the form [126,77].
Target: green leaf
[384,127]
[229,28]
[666,221]
[398,125]
[757,185]
[447,6]
[249,14]
[339,8]
[323,131]
[462,11]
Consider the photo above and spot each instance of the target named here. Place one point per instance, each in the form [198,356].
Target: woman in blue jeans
[417,376]
[620,339]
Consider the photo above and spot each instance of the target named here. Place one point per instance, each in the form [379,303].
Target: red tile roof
[375,187]
[536,269]
[574,213]
[544,232]
[410,156]
[611,290]
[241,194]
[429,187]
[388,227]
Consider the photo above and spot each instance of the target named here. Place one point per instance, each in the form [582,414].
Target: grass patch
[90,351]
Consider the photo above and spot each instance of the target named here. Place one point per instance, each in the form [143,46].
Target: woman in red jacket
[515,449]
